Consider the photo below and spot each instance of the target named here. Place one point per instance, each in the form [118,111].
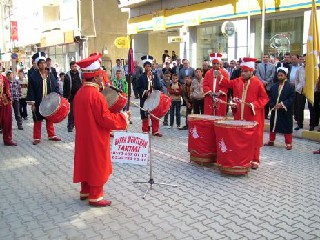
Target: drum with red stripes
[201,140]
[54,108]
[235,144]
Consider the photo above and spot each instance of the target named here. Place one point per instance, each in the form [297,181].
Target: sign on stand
[128,147]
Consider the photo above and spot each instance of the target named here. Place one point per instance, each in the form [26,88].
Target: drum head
[205,117]
[152,101]
[110,95]
[49,104]
[236,123]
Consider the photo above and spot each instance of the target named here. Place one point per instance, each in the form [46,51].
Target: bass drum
[54,108]
[116,101]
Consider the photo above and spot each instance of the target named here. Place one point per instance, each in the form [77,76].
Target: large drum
[235,145]
[157,104]
[116,100]
[54,108]
[202,140]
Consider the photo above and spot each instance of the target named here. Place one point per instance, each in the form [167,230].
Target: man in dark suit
[186,70]
[148,82]
[265,72]
[51,69]
[41,83]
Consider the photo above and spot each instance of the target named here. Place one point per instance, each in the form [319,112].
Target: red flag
[14,30]
[131,69]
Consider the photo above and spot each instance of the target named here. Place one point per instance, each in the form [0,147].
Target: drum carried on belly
[157,103]
[235,144]
[54,108]
[202,140]
[116,100]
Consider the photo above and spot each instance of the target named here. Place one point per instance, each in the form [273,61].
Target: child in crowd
[24,90]
[61,81]
[15,90]
[165,84]
[197,94]
[121,83]
[186,93]
[175,93]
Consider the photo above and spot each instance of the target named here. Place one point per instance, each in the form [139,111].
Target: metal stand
[151,180]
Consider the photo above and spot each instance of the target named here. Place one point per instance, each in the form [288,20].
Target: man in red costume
[250,98]
[93,123]
[105,79]
[215,100]
[6,111]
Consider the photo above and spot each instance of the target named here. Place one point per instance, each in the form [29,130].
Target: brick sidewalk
[280,200]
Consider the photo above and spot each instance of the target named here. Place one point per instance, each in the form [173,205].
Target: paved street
[38,200]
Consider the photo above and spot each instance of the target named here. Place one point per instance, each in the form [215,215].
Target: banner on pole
[128,147]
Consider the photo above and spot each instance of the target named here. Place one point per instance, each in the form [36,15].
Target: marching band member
[41,83]
[6,111]
[215,100]
[251,98]
[282,95]
[147,82]
[93,123]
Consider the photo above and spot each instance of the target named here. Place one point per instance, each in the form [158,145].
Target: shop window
[281,36]
[210,39]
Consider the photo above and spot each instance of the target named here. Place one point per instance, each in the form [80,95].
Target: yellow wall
[158,42]
[110,23]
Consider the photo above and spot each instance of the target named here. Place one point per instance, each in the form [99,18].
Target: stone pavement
[38,200]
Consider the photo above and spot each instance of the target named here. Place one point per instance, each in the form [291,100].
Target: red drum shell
[163,107]
[157,104]
[235,145]
[116,101]
[201,140]
[61,109]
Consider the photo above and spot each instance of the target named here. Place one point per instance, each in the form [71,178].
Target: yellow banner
[312,59]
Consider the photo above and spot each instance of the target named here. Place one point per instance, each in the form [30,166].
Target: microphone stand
[151,181]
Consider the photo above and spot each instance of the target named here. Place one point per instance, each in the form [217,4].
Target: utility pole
[263,19]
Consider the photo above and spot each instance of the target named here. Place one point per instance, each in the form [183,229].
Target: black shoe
[70,130]
[311,129]
[165,124]
[297,128]
[184,128]
[20,128]
[130,122]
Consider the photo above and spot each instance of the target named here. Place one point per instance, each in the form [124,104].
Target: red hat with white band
[215,57]
[91,66]
[248,64]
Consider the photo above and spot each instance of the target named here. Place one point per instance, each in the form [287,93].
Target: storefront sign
[128,147]
[158,23]
[192,20]
[228,28]
[122,42]
[175,39]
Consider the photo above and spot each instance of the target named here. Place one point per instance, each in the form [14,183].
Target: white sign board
[128,147]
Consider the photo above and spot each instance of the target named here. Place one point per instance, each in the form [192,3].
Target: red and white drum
[202,140]
[54,108]
[116,101]
[235,145]
[157,104]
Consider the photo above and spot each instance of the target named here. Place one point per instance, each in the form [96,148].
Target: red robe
[93,123]
[256,95]
[5,109]
[212,85]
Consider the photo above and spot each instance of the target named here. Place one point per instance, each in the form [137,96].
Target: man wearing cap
[215,101]
[93,123]
[282,95]
[147,82]
[41,83]
[6,111]
[250,99]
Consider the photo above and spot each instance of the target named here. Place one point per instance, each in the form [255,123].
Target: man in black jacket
[72,83]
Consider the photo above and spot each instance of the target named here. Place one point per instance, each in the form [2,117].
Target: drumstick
[146,111]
